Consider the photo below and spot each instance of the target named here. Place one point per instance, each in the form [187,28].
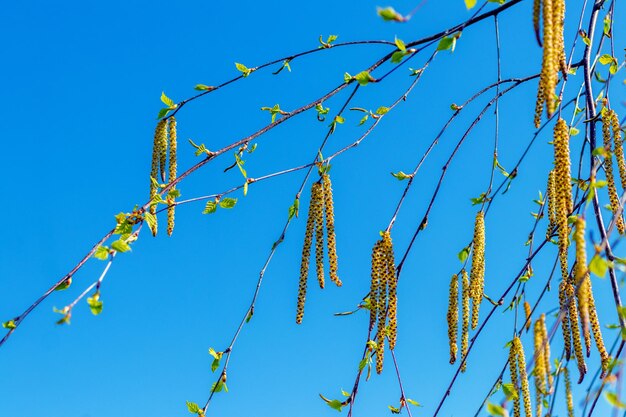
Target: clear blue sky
[81,86]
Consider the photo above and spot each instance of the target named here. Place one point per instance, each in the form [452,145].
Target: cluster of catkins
[163,159]
[612,135]
[320,207]
[472,288]
[553,13]
[383,298]
[575,295]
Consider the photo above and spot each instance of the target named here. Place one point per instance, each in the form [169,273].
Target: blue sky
[82,82]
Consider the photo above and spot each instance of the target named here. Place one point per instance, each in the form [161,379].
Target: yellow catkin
[580,275]
[382,318]
[306,255]
[619,147]
[539,104]
[477,273]
[573,321]
[172,168]
[539,372]
[564,311]
[569,398]
[551,204]
[329,211]
[159,133]
[163,151]
[546,353]
[453,316]
[318,212]
[559,44]
[608,170]
[563,190]
[597,332]
[549,67]
[536,16]
[391,279]
[465,297]
[515,378]
[377,256]
[521,365]
[527,311]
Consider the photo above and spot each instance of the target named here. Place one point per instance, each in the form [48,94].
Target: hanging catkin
[608,170]
[527,312]
[564,311]
[159,133]
[539,371]
[390,270]
[559,20]
[306,255]
[580,281]
[453,316]
[573,321]
[377,267]
[514,379]
[551,204]
[163,151]
[329,212]
[548,75]
[563,190]
[477,274]
[318,212]
[521,364]
[619,147]
[569,398]
[172,168]
[465,297]
[595,329]
[536,16]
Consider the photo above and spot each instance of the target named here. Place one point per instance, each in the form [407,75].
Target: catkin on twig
[159,133]
[453,317]
[306,255]
[377,262]
[619,146]
[551,204]
[573,321]
[465,297]
[597,332]
[329,212]
[521,364]
[477,273]
[318,212]
[564,309]
[527,312]
[608,170]
[392,282]
[563,190]
[569,398]
[172,168]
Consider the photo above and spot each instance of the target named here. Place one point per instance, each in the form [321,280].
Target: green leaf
[496,410]
[102,253]
[614,400]
[448,42]
[413,402]
[584,36]
[245,71]
[203,87]
[389,14]
[228,203]
[509,391]
[394,410]
[294,208]
[64,285]
[9,324]
[573,131]
[344,393]
[606,59]
[193,408]
[598,266]
[401,175]
[163,113]
[335,405]
[463,254]
[210,207]
[167,101]
[397,56]
[382,110]
[364,78]
[120,245]
[150,219]
[347,77]
[607,25]
[470,4]
[95,305]
[400,44]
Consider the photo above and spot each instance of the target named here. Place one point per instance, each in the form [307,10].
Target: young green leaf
[102,253]
[228,203]
[210,207]
[389,14]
